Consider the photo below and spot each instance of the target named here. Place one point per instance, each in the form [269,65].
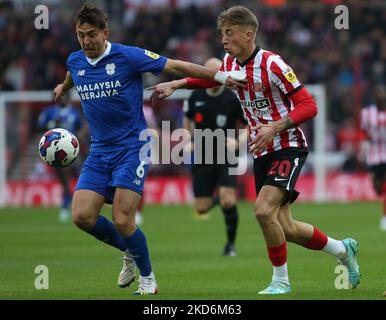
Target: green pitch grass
[186,256]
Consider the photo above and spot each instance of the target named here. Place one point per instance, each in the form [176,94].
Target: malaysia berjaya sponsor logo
[98,90]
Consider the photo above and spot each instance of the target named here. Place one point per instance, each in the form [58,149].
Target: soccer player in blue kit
[108,79]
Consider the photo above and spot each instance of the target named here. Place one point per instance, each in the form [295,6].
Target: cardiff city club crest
[110,68]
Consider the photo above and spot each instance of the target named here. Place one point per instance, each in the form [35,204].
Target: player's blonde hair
[238,16]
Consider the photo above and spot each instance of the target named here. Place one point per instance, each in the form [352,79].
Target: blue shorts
[103,172]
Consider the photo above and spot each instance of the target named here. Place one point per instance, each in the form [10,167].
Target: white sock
[335,248]
[281,273]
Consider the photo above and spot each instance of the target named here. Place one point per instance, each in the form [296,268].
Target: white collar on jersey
[93,62]
[216,94]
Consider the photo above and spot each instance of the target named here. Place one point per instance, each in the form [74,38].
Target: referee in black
[213,109]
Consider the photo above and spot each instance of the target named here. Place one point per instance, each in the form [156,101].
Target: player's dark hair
[238,16]
[92,15]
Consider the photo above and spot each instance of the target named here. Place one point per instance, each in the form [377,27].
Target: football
[58,148]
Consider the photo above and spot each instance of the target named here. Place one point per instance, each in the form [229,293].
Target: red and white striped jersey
[373,121]
[265,99]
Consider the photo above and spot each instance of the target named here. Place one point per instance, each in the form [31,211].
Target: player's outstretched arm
[186,69]
[192,72]
[165,89]
[61,89]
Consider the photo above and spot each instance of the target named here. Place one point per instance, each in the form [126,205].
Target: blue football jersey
[111,93]
[57,117]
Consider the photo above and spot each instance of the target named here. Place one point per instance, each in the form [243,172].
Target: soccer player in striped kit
[373,122]
[274,103]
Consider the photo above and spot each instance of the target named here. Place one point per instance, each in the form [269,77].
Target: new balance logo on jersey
[81,73]
[137,182]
